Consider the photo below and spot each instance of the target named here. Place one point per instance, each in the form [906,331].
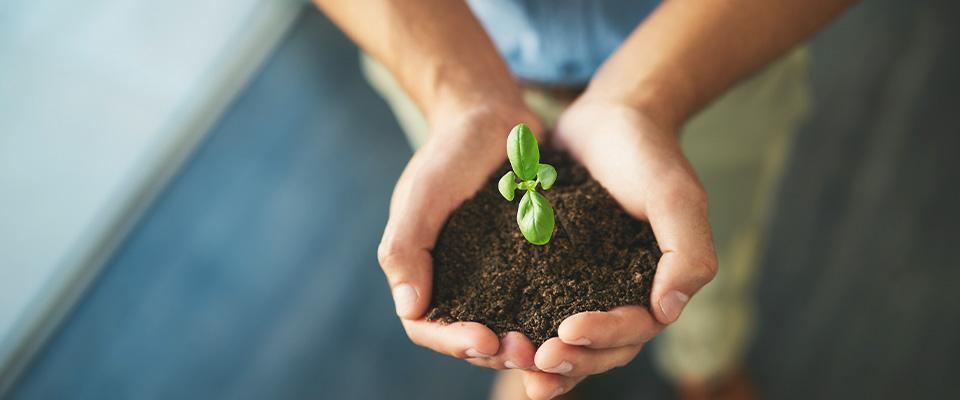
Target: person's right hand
[464,148]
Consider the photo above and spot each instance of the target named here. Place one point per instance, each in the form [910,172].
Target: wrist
[666,104]
[446,89]
[496,114]
[474,133]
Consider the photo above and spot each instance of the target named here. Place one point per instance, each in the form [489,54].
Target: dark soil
[485,271]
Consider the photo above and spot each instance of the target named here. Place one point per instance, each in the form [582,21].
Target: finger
[545,386]
[481,362]
[459,339]
[404,251]
[408,272]
[516,352]
[621,326]
[679,220]
[557,357]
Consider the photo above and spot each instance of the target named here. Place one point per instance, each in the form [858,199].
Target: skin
[623,129]
[451,69]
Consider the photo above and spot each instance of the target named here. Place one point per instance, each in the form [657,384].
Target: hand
[464,148]
[641,164]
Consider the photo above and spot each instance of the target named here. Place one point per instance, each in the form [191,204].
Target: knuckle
[684,188]
[698,195]
[415,339]
[625,359]
[621,363]
[706,267]
[389,253]
[424,342]
[409,331]
[606,368]
[689,189]
[482,363]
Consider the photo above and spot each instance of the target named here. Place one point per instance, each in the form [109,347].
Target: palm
[642,166]
[457,160]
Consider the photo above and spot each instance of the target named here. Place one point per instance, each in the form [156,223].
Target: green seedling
[535,215]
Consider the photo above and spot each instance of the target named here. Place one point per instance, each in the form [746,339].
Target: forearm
[436,49]
[688,52]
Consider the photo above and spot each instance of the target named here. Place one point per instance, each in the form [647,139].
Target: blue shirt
[559,42]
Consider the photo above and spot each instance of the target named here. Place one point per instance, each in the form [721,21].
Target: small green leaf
[508,185]
[523,152]
[547,175]
[535,218]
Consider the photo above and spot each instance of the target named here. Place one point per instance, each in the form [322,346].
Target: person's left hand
[640,162]
[589,343]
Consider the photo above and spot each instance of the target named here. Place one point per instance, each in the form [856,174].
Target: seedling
[535,215]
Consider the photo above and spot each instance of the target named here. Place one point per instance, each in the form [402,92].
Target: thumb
[419,208]
[409,273]
[689,261]
[404,251]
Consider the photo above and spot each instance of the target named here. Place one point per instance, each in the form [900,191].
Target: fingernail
[473,353]
[580,342]
[510,364]
[672,304]
[557,392]
[404,299]
[563,368]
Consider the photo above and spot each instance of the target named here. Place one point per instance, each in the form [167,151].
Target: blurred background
[176,220]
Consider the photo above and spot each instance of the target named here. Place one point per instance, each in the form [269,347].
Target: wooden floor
[254,275]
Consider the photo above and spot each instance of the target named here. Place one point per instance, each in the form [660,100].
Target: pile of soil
[485,271]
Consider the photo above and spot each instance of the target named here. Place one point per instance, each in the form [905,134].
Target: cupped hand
[464,148]
[640,162]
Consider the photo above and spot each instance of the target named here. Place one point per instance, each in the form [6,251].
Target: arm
[682,57]
[624,129]
[443,59]
[689,52]
[436,49]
